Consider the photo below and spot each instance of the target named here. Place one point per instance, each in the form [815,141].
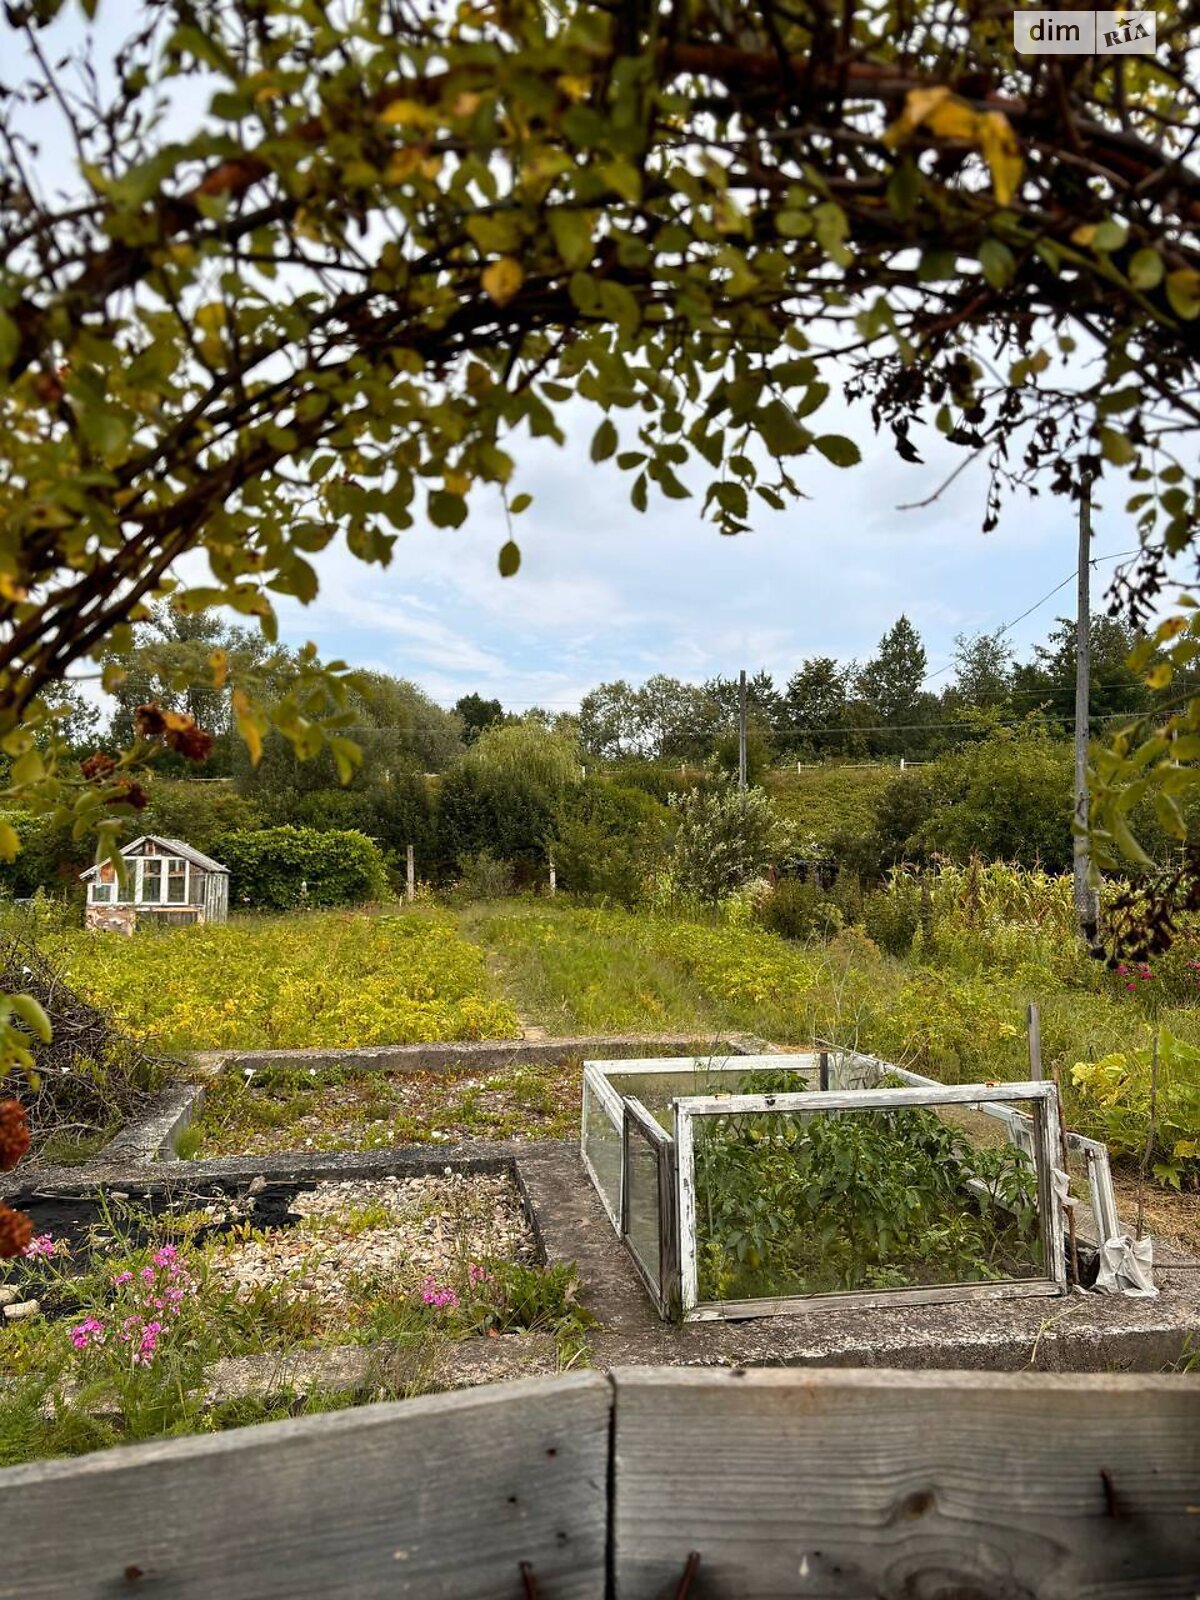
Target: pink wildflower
[440,1295]
[43,1245]
[166,1256]
[89,1332]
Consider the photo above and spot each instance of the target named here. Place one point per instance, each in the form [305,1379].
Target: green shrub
[892,915]
[277,869]
[608,841]
[1115,1092]
[797,910]
[483,877]
[722,841]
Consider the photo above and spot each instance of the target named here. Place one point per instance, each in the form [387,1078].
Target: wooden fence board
[432,1498]
[906,1486]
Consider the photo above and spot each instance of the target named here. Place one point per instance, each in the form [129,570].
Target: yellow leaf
[457,482]
[467,104]
[219,664]
[502,279]
[249,725]
[10,589]
[1085,233]
[918,104]
[1160,676]
[954,119]
[574,88]
[10,843]
[1002,153]
[211,316]
[407,114]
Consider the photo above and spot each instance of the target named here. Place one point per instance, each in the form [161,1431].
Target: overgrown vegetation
[788,1204]
[328,979]
[135,1315]
[89,1076]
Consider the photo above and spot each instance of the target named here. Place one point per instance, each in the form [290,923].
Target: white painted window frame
[1041,1097]
[139,875]
[597,1088]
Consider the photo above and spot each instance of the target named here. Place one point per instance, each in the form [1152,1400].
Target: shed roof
[173,847]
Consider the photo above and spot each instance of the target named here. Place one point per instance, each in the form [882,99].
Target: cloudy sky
[604,592]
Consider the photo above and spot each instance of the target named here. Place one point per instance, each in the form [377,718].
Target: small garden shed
[165,879]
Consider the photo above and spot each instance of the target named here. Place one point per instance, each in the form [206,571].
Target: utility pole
[742,729]
[1086,900]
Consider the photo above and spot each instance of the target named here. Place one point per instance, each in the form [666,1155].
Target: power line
[1007,627]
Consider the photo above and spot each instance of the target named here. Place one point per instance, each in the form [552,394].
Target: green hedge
[269,867]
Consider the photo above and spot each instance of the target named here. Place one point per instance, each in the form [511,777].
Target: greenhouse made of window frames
[750,1185]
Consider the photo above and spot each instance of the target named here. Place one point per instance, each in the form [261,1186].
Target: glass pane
[832,1202]
[176,882]
[151,880]
[102,892]
[643,1214]
[602,1146]
[656,1090]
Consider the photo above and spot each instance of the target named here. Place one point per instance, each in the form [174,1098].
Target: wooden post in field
[1035,1044]
[742,729]
[553,877]
[411,891]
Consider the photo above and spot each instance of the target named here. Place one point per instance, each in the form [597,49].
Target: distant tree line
[887,707]
[489,796]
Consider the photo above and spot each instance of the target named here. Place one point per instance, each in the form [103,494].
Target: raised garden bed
[128,1306]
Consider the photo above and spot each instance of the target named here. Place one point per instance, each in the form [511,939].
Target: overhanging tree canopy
[309,271]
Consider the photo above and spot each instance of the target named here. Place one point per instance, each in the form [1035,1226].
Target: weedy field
[936,975]
[329,979]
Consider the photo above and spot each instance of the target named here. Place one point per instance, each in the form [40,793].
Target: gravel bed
[433,1227]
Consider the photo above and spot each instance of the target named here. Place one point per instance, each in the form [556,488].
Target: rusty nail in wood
[689,1572]
[528,1581]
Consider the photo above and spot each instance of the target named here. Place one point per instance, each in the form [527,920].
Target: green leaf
[31,1014]
[105,430]
[572,231]
[1116,447]
[10,842]
[604,440]
[779,430]
[1146,269]
[638,494]
[841,451]
[447,510]
[793,224]
[28,769]
[509,559]
[1183,293]
[997,262]
[833,230]
[10,341]
[1110,236]
[520,502]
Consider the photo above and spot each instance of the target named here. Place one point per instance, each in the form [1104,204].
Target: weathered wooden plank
[434,1497]
[907,1486]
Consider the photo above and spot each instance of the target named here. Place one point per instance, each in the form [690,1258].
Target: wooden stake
[412,876]
[1035,1043]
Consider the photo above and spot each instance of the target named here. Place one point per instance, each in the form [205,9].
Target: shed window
[176,882]
[101,893]
[150,889]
